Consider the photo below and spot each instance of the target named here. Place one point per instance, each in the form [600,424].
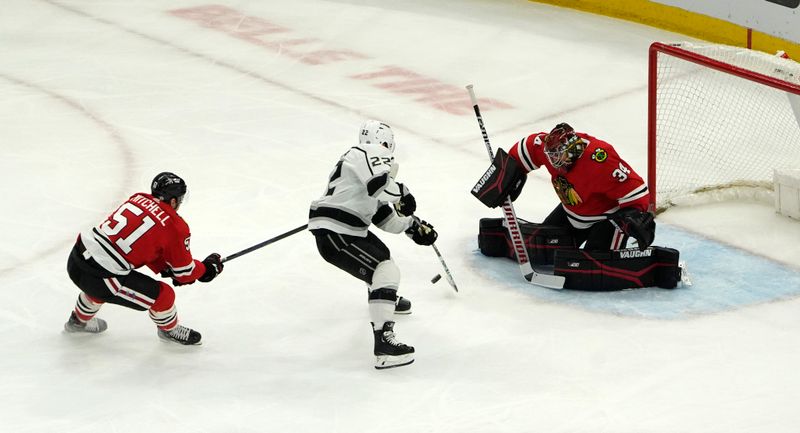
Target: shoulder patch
[600,154]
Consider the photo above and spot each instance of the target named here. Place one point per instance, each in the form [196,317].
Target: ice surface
[252,103]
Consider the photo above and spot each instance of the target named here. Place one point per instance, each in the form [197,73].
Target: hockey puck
[436,278]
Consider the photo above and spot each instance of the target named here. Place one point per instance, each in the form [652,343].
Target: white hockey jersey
[360,192]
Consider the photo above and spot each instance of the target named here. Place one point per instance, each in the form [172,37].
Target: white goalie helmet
[375,132]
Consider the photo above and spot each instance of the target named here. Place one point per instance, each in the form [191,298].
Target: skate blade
[77,330]
[388,361]
[178,343]
[172,343]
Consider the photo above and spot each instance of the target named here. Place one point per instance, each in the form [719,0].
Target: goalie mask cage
[720,120]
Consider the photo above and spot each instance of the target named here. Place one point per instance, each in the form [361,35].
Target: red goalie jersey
[595,186]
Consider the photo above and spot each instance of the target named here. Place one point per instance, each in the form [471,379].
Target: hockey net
[720,120]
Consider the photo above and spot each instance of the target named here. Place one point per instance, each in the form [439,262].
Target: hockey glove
[504,178]
[421,232]
[636,224]
[407,204]
[213,267]
[516,188]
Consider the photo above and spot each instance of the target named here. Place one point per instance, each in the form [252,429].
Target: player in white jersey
[362,191]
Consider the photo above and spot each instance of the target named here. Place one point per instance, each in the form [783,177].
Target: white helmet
[375,132]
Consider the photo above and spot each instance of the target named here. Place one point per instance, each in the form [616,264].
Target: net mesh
[719,130]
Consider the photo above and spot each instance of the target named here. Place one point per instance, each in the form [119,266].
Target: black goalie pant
[601,236]
[357,256]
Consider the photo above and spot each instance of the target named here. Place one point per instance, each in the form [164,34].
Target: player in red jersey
[146,230]
[603,200]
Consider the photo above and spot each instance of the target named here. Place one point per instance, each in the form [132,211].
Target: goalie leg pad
[541,240]
[617,270]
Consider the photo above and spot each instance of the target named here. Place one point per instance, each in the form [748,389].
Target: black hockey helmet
[166,186]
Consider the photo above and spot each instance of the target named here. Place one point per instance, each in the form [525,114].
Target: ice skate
[402,306]
[181,335]
[389,352]
[93,326]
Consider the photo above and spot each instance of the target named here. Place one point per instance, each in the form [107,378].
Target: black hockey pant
[357,256]
[601,236]
[135,290]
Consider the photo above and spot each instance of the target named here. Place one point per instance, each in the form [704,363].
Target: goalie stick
[265,243]
[510,218]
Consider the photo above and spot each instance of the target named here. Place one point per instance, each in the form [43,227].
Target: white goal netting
[721,120]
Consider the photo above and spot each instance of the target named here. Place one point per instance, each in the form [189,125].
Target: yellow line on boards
[679,20]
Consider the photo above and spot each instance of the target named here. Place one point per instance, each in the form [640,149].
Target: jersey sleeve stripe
[384,213]
[634,195]
[183,270]
[377,184]
[527,162]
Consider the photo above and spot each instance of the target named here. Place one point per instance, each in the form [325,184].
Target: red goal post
[720,120]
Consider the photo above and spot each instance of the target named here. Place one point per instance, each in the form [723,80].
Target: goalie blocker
[504,178]
[582,269]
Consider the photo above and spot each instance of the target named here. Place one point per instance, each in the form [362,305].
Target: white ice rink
[252,103]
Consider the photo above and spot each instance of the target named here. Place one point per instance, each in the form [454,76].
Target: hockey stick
[446,269]
[265,243]
[544,280]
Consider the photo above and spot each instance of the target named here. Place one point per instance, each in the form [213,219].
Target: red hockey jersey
[595,186]
[144,231]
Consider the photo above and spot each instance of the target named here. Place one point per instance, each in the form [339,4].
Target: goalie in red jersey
[603,200]
[604,203]
[146,230]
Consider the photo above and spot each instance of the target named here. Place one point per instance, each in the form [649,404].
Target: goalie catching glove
[504,178]
[636,224]
[421,232]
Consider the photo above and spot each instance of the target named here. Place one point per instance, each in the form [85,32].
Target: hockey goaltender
[603,205]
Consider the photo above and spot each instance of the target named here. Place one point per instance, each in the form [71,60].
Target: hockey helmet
[562,146]
[166,186]
[375,132]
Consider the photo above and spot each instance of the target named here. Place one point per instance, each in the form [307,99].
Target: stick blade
[452,283]
[546,280]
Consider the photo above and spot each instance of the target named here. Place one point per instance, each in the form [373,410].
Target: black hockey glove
[213,267]
[636,224]
[504,178]
[421,232]
[407,204]
[516,188]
